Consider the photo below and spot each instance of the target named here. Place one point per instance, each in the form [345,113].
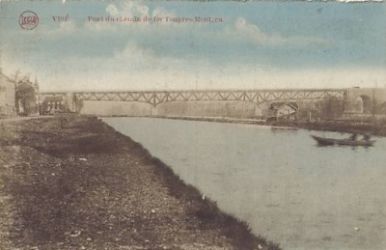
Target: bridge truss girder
[155,98]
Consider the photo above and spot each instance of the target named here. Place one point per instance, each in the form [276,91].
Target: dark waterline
[279,181]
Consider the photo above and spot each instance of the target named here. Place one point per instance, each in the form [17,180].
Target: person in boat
[353,137]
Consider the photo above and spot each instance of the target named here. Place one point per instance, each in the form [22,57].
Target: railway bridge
[293,98]
[154,98]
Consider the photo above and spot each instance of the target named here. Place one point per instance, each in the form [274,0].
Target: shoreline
[376,129]
[70,182]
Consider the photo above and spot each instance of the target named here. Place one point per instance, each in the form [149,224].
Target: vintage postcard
[128,124]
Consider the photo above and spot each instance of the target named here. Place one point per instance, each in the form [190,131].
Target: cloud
[130,9]
[138,9]
[252,33]
[162,12]
[68,26]
[58,28]
[137,60]
[141,68]
[244,78]
[112,10]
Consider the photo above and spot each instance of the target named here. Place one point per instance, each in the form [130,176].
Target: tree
[25,98]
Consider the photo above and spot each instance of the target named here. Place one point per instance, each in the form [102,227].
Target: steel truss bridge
[154,98]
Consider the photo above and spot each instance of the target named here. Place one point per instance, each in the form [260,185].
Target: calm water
[288,189]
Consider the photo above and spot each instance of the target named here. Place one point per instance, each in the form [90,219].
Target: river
[287,188]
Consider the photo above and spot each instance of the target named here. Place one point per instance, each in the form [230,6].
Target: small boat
[323,141]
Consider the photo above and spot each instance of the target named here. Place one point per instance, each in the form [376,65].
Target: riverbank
[72,182]
[206,118]
[375,127]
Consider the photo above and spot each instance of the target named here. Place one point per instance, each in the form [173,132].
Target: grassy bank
[73,182]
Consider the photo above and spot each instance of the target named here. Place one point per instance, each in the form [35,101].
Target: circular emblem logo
[28,20]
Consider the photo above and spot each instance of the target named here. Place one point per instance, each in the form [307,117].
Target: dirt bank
[73,182]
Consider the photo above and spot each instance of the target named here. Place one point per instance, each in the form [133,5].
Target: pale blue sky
[258,44]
